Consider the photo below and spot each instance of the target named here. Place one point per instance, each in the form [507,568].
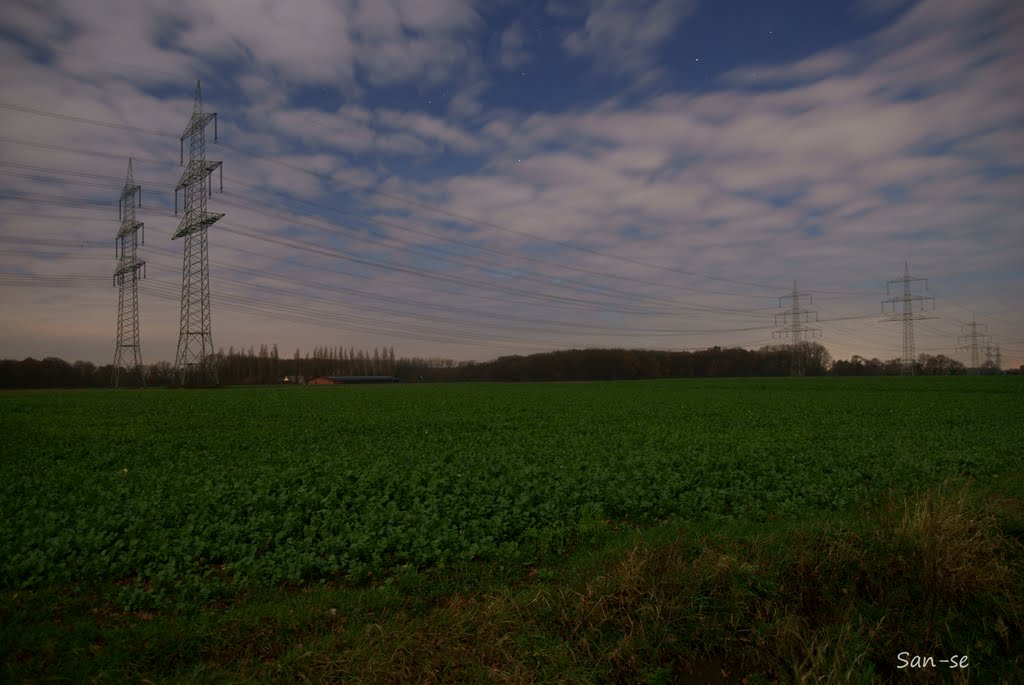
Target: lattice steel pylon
[194,362]
[908,298]
[793,320]
[128,352]
[971,340]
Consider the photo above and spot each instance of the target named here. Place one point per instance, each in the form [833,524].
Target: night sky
[473,179]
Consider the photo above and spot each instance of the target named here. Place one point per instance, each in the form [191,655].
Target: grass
[939,572]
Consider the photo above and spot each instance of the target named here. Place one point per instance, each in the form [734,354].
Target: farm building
[351,380]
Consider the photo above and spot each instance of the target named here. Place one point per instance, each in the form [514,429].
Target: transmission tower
[128,353]
[194,363]
[970,340]
[999,359]
[794,328]
[908,298]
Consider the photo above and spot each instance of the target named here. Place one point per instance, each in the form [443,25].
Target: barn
[352,380]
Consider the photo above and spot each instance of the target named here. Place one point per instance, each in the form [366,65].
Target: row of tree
[926,365]
[234,367]
[265,366]
[623,364]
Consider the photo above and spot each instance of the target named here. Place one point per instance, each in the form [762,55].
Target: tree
[85,371]
[939,365]
[161,373]
[816,358]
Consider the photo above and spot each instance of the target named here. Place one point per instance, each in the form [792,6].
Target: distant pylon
[128,353]
[908,298]
[972,337]
[999,359]
[793,320]
[194,362]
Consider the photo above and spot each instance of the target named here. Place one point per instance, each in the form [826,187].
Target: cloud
[348,128]
[872,7]
[429,128]
[404,40]
[512,51]
[438,16]
[29,21]
[742,170]
[320,42]
[355,129]
[466,102]
[832,169]
[624,35]
[310,44]
[812,68]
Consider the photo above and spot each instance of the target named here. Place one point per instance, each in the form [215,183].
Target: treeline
[808,359]
[265,365]
[624,364]
[925,365]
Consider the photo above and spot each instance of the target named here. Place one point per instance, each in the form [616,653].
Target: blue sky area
[469,179]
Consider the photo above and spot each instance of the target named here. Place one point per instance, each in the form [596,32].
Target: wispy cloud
[624,35]
[512,50]
[698,205]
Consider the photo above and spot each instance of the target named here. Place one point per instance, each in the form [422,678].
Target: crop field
[164,499]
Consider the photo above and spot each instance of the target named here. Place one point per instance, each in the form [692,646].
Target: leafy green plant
[160,494]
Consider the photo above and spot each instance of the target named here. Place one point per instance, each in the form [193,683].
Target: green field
[166,502]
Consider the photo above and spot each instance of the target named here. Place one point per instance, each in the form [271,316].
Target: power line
[545,282]
[249,204]
[81,120]
[467,261]
[534,323]
[457,259]
[331,253]
[399,198]
[78,151]
[527,258]
[261,307]
[480,222]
